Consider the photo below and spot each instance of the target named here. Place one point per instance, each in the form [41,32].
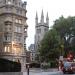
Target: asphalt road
[43,72]
[46,73]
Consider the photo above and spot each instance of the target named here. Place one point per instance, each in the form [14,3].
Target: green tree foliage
[66,29]
[49,46]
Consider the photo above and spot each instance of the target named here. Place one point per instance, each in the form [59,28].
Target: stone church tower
[40,29]
[13,30]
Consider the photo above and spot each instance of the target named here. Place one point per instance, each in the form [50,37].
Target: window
[17,10]
[45,29]
[20,11]
[7,49]
[7,38]
[17,39]
[8,28]
[15,28]
[8,9]
[38,30]
[20,21]
[16,20]
[18,29]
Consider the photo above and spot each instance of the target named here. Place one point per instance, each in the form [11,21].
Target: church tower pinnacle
[47,19]
[36,19]
[42,17]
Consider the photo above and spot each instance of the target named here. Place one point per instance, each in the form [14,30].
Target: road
[41,72]
[46,73]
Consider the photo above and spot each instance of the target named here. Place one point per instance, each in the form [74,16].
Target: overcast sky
[55,9]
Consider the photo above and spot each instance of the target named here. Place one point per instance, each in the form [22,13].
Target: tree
[66,29]
[49,47]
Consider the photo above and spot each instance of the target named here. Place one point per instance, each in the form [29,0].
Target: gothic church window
[13,1]
[0,2]
[45,29]
[38,30]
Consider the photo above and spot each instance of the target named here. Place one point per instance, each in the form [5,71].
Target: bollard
[28,70]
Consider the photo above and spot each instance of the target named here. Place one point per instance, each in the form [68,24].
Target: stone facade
[13,30]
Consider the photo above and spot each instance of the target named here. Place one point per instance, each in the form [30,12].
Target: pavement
[43,70]
[44,73]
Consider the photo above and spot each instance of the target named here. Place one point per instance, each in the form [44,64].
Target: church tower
[40,29]
[13,30]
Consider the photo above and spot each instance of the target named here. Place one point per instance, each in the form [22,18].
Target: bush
[34,65]
[45,65]
[53,64]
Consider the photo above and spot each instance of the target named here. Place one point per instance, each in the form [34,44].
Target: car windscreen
[67,64]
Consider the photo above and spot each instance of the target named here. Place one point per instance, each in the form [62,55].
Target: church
[40,30]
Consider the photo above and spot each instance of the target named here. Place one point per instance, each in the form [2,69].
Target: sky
[55,9]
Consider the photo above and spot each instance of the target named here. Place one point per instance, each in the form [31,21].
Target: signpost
[61,58]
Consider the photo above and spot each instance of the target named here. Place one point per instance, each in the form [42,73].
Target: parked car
[68,67]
